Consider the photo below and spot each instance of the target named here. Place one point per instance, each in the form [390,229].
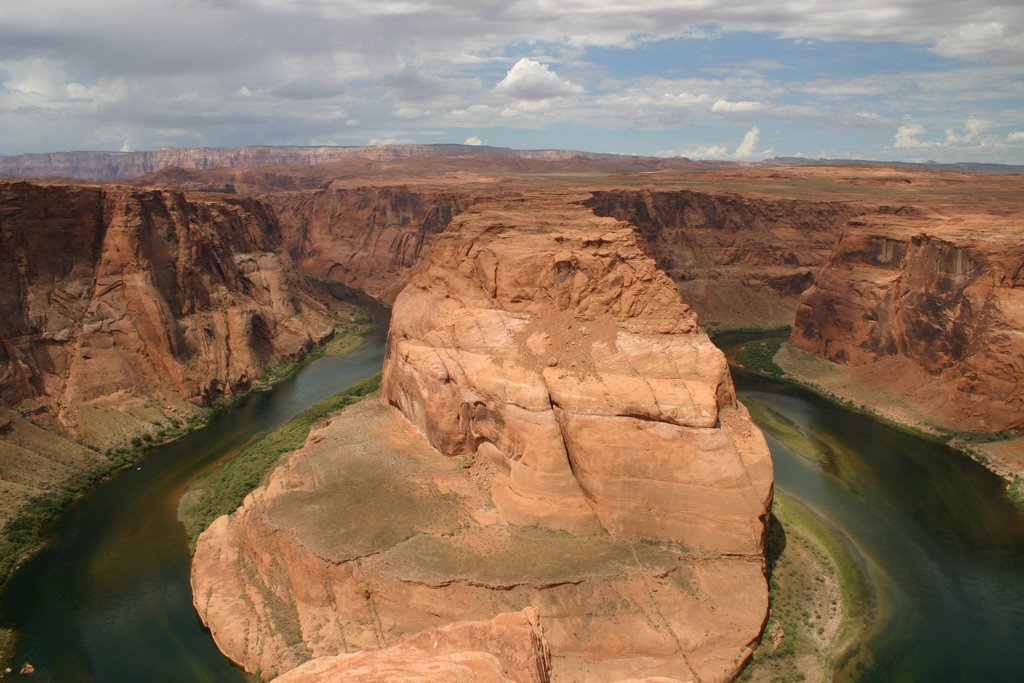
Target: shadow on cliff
[774,543]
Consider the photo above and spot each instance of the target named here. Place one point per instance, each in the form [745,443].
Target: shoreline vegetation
[819,586]
[820,596]
[759,357]
[221,489]
[22,535]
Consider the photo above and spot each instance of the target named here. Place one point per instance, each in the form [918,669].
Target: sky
[908,80]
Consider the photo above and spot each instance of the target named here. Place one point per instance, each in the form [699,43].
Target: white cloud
[1015,136]
[748,146]
[529,79]
[743,105]
[862,119]
[473,140]
[906,136]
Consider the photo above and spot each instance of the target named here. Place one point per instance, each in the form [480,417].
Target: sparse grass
[225,488]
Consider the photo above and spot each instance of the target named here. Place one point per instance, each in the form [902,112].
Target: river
[945,546]
[108,598]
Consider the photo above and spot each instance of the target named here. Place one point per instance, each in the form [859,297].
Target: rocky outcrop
[941,293]
[509,647]
[367,237]
[566,441]
[544,340]
[739,260]
[126,306]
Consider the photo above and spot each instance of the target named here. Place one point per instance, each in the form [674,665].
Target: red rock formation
[368,237]
[124,305]
[942,293]
[543,338]
[739,260]
[543,349]
[509,647]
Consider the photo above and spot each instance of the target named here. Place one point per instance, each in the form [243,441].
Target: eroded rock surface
[568,442]
[124,307]
[930,305]
[367,237]
[739,260]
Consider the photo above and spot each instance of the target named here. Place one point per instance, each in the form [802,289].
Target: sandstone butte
[124,307]
[557,481]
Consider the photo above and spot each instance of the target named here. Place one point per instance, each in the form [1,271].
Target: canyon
[557,479]
[126,311]
[556,434]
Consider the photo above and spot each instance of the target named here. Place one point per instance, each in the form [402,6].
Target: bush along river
[942,543]
[108,598]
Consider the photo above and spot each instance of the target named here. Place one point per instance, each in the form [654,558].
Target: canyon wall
[933,304]
[556,435]
[125,307]
[739,260]
[121,165]
[367,237]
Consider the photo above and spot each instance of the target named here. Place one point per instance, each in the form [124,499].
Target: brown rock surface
[542,338]
[510,647]
[930,306]
[540,346]
[368,237]
[124,307]
[739,260]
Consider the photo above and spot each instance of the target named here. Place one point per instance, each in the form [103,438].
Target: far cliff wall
[122,306]
[943,293]
[367,237]
[739,260]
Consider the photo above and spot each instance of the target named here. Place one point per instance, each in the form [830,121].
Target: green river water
[108,598]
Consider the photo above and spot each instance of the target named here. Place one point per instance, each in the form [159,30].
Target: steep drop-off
[739,260]
[566,440]
[124,307]
[929,306]
[368,237]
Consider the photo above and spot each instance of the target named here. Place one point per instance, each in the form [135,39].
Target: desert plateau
[556,477]
[511,342]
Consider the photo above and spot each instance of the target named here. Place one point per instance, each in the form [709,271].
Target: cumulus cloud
[906,136]
[1015,136]
[529,79]
[289,72]
[473,140]
[745,150]
[748,145]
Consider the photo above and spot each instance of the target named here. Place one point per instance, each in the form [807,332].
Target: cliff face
[551,387]
[368,237]
[544,340]
[124,306]
[942,294]
[738,260]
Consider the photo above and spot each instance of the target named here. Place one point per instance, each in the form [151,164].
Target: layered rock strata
[124,307]
[367,237]
[930,307]
[566,440]
[739,260]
